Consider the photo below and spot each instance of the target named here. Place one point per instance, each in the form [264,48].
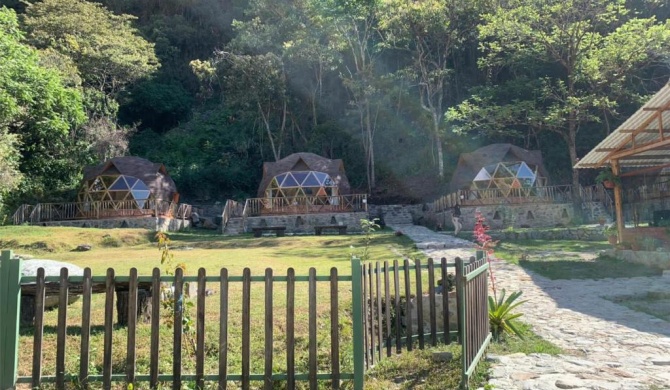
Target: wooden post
[617,201]
[10,301]
[357,318]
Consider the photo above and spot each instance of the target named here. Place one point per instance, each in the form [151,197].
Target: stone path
[607,346]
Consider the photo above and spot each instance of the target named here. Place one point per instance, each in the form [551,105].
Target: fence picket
[61,329]
[366,314]
[445,302]
[246,326]
[223,329]
[85,329]
[155,327]
[177,327]
[387,304]
[371,311]
[39,328]
[431,297]
[334,330]
[200,331]
[132,326]
[408,303]
[396,287]
[312,329]
[290,329]
[109,326]
[267,377]
[380,325]
[419,303]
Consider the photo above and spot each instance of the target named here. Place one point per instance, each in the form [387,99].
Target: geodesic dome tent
[127,179]
[502,167]
[505,176]
[303,174]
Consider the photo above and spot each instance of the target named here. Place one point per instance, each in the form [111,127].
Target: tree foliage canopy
[37,113]
[397,89]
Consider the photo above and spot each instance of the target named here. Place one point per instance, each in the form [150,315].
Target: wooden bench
[341,229]
[279,230]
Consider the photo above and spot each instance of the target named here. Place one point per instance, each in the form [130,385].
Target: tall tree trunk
[572,148]
[438,145]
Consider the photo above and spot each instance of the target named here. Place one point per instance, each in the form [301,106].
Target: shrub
[501,318]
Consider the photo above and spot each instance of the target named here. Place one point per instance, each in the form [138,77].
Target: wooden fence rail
[493,196]
[305,205]
[377,330]
[47,212]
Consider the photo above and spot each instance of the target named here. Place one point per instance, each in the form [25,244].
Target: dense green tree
[214,156]
[559,66]
[39,113]
[428,31]
[354,32]
[10,176]
[108,51]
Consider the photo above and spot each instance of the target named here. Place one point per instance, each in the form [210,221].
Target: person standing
[456,219]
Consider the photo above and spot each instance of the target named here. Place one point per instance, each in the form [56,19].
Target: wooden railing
[550,194]
[597,194]
[232,209]
[646,192]
[305,205]
[47,212]
[22,214]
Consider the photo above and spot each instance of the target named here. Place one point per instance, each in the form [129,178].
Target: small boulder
[83,248]
[51,268]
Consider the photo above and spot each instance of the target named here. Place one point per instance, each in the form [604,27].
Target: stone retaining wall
[529,215]
[160,224]
[304,223]
[660,260]
[570,233]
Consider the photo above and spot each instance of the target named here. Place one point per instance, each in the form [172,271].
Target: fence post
[10,299]
[357,318]
[462,311]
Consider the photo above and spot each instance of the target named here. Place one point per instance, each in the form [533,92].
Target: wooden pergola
[639,146]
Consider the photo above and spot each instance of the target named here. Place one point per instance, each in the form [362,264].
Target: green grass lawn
[123,249]
[570,259]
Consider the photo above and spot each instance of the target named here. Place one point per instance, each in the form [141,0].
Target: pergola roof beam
[638,149]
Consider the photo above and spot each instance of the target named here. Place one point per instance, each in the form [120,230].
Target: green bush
[501,318]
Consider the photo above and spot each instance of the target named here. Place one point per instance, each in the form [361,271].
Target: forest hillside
[397,89]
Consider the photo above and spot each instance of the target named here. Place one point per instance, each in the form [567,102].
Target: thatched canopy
[328,173]
[154,176]
[471,164]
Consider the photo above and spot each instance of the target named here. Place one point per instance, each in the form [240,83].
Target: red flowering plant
[485,243]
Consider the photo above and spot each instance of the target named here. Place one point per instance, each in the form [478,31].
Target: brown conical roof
[305,162]
[154,175]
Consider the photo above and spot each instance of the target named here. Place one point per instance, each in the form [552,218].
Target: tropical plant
[501,318]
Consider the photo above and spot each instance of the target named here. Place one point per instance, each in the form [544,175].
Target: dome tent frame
[301,183]
[470,166]
[115,188]
[507,176]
